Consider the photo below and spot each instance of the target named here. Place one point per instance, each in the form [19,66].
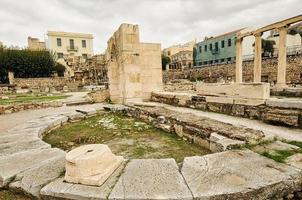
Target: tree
[26,63]
[164,61]
[60,69]
[267,47]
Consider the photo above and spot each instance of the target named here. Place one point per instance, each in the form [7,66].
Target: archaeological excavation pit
[126,136]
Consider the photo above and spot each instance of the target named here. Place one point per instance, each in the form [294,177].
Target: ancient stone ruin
[134,68]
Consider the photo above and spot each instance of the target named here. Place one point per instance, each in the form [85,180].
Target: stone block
[87,111]
[219,143]
[249,102]
[61,189]
[32,180]
[284,103]
[9,168]
[19,146]
[91,164]
[151,179]
[239,175]
[295,160]
[244,90]
[222,100]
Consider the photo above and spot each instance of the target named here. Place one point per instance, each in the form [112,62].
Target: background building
[66,44]
[35,44]
[181,60]
[222,49]
[214,50]
[181,55]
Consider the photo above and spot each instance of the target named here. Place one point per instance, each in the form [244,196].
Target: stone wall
[99,96]
[212,74]
[268,112]
[7,109]
[45,84]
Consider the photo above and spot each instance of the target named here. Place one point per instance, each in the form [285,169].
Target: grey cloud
[164,21]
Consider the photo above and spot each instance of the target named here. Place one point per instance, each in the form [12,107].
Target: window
[216,46]
[60,55]
[84,43]
[199,63]
[216,61]
[200,48]
[222,44]
[211,62]
[71,42]
[229,59]
[211,47]
[229,42]
[205,62]
[59,42]
[222,60]
[205,48]
[84,56]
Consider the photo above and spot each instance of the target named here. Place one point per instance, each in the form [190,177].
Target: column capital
[283,27]
[258,34]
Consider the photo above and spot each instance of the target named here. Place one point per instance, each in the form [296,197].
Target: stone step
[60,189]
[270,131]
[19,146]
[12,165]
[25,137]
[31,181]
[151,179]
[194,126]
[239,175]
[78,102]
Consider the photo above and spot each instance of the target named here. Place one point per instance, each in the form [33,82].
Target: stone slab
[87,111]
[222,100]
[74,116]
[24,137]
[151,179]
[284,103]
[295,160]
[219,143]
[61,189]
[239,175]
[19,146]
[249,102]
[17,163]
[32,180]
[275,146]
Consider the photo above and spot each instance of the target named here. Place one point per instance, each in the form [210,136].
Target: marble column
[281,76]
[239,60]
[258,58]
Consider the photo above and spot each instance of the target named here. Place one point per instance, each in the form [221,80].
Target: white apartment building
[68,45]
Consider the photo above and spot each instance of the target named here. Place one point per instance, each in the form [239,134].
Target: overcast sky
[164,21]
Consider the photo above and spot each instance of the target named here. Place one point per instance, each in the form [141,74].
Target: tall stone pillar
[281,76]
[11,77]
[239,60]
[258,58]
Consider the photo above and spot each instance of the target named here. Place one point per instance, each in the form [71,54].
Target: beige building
[181,60]
[35,44]
[172,50]
[66,44]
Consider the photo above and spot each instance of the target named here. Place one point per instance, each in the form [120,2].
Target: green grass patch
[296,143]
[278,156]
[30,99]
[126,136]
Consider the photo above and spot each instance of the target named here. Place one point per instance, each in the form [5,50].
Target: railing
[72,48]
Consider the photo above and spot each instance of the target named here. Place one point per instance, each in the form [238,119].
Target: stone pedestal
[91,164]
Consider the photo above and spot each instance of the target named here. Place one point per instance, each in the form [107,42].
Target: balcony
[72,48]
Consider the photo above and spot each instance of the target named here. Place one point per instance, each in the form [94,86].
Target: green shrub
[26,63]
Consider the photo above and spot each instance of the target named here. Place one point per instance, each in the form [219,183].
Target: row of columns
[281,77]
